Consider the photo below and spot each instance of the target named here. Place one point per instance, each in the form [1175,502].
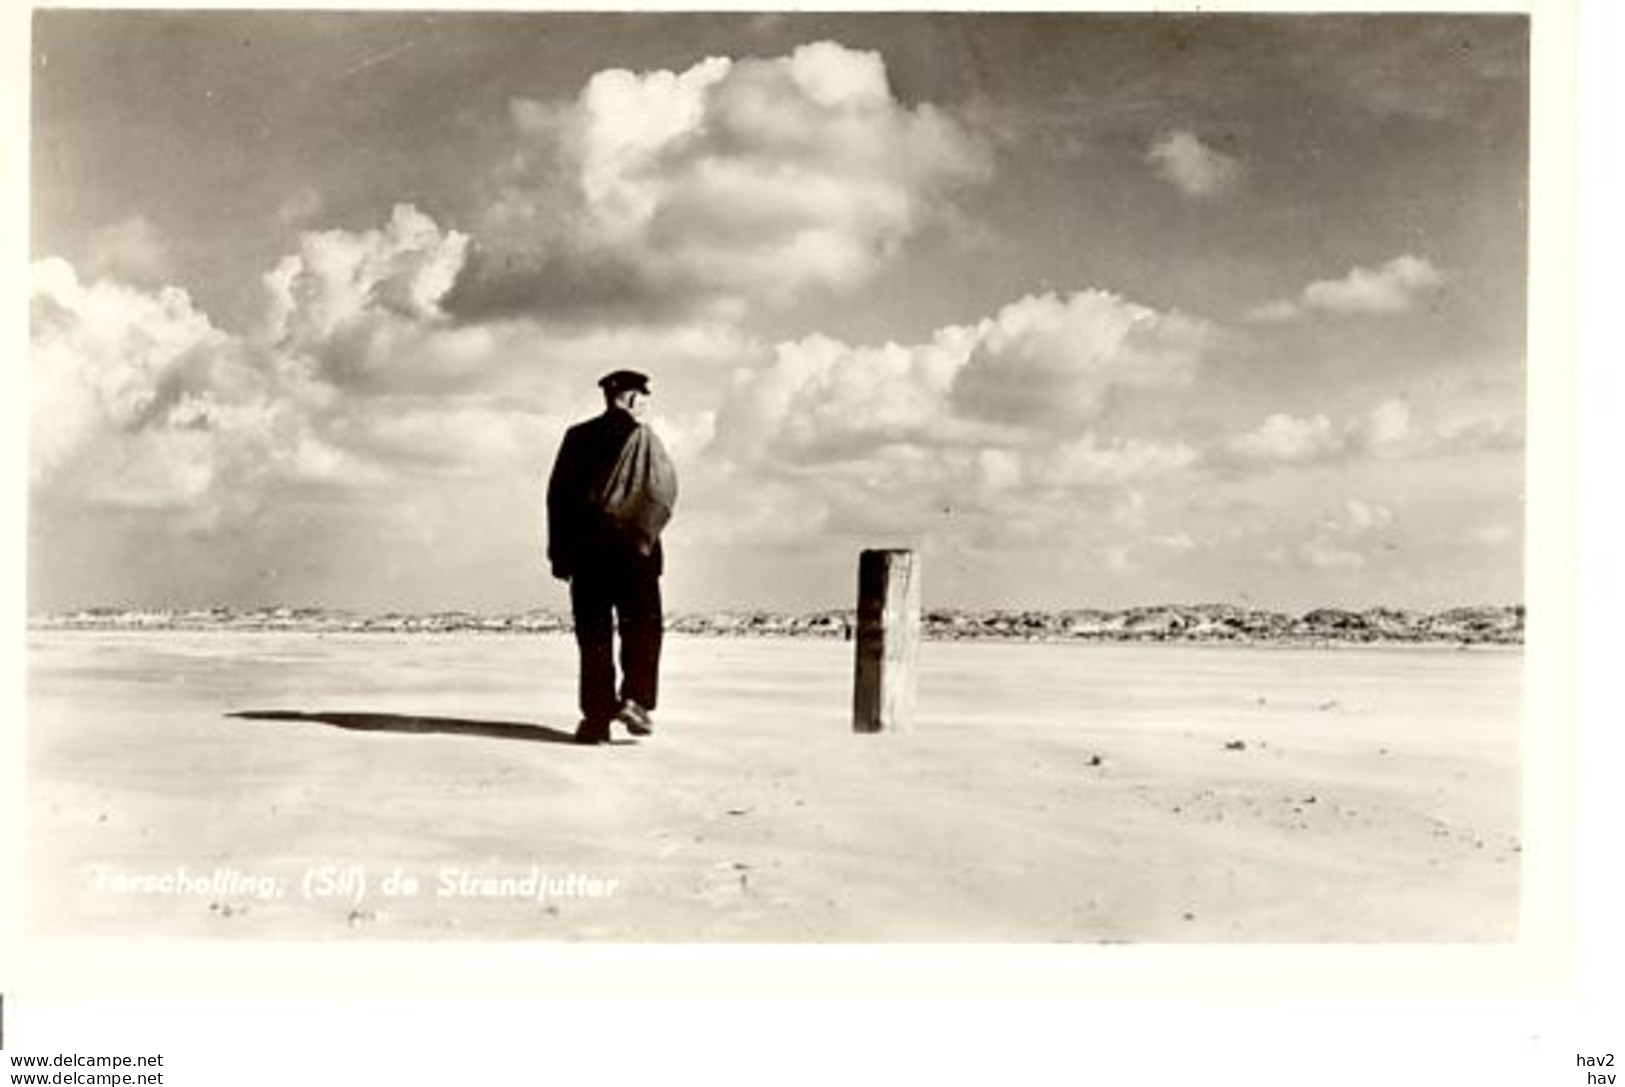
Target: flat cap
[621,380]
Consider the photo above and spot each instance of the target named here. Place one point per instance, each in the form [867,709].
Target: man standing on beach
[611,493]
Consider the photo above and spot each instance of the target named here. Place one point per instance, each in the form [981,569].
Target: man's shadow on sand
[407,723]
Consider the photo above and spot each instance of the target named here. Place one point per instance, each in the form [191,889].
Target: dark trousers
[623,596]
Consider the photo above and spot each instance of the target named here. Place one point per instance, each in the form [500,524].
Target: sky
[1090,310]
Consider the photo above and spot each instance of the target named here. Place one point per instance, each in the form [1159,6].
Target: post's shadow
[408,723]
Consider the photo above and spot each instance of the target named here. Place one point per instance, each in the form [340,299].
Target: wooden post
[888,641]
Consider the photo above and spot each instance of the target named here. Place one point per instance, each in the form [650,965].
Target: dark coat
[580,532]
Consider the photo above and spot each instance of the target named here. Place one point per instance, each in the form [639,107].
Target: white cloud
[105,355]
[1473,430]
[1052,362]
[138,401]
[1393,430]
[1037,371]
[1325,553]
[1290,439]
[997,471]
[130,249]
[1360,516]
[1393,288]
[1398,286]
[1197,169]
[742,178]
[339,299]
[686,435]
[352,376]
[1352,539]
[1128,509]
[1388,430]
[1087,462]
[902,441]
[822,398]
[625,125]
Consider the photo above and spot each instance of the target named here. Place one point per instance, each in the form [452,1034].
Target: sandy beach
[316,786]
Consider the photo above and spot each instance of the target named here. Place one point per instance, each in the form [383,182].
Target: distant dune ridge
[1473,625]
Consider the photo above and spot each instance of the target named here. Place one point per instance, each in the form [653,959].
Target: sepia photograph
[778,477]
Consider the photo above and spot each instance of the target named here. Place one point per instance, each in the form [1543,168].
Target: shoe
[635,718]
[592,732]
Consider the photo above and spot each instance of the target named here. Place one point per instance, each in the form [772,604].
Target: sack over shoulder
[640,492]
